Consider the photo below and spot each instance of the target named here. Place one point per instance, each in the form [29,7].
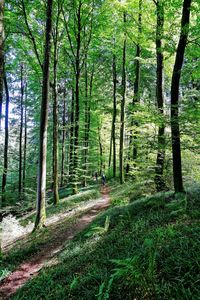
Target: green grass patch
[149,249]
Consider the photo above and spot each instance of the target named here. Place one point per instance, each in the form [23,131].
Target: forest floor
[60,232]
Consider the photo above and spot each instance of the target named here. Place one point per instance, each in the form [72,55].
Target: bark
[25,140]
[176,144]
[136,98]
[71,141]
[5,164]
[77,100]
[41,191]
[114,114]
[159,181]
[55,116]
[86,125]
[2,3]
[21,132]
[100,151]
[63,140]
[121,151]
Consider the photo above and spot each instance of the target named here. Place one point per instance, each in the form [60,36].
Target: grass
[66,204]
[148,249]
[29,246]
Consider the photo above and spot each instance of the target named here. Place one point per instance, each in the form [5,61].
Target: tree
[2,3]
[55,106]
[5,165]
[160,184]
[41,191]
[176,75]
[21,132]
[121,149]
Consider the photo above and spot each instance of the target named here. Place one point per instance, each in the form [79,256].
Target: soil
[47,253]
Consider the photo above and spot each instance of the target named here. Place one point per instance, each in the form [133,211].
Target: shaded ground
[47,254]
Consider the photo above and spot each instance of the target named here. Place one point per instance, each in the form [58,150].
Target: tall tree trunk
[114,113]
[77,112]
[110,151]
[21,132]
[5,164]
[159,181]
[63,140]
[136,97]
[41,191]
[112,139]
[121,150]
[55,115]
[86,124]
[100,151]
[71,140]
[176,145]
[2,3]
[25,140]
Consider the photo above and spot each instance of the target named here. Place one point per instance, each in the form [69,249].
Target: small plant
[98,230]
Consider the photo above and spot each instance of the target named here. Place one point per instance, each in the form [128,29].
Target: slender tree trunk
[86,124]
[77,112]
[121,151]
[114,113]
[55,116]
[5,164]
[136,98]
[21,133]
[41,192]
[71,140]
[112,139]
[159,181]
[176,144]
[2,3]
[100,151]
[25,140]
[63,140]
[111,143]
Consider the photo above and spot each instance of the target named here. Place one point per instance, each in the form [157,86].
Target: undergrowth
[149,249]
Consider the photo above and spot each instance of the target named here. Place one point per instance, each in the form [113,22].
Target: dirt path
[48,252]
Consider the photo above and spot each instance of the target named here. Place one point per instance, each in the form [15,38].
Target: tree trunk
[63,140]
[55,116]
[71,140]
[25,140]
[5,165]
[114,113]
[159,181]
[100,151]
[121,150]
[77,112]
[21,132]
[2,3]
[86,125]
[176,145]
[41,191]
[136,97]
[112,139]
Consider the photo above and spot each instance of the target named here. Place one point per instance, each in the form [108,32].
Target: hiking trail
[46,255]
